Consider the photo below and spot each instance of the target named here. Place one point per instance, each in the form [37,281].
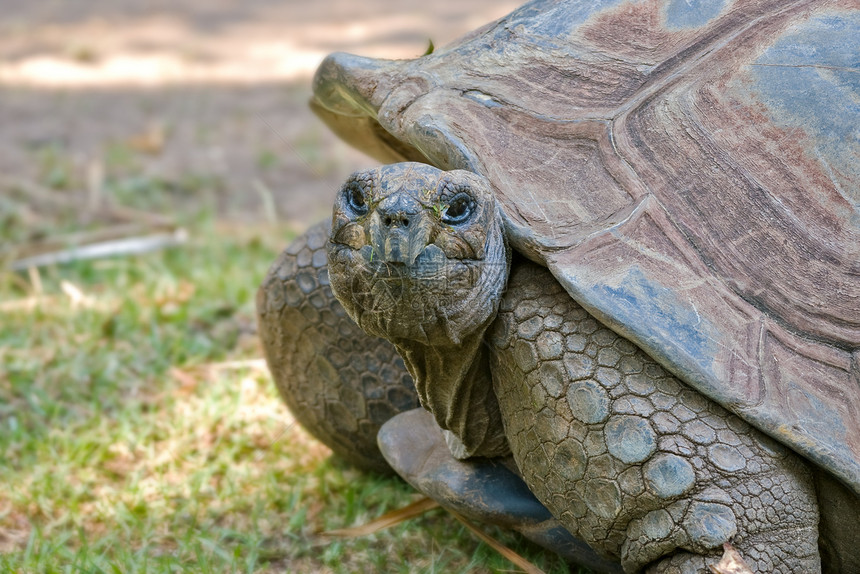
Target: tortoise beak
[348,93]
[399,230]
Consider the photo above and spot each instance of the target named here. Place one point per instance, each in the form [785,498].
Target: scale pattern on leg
[629,458]
[338,382]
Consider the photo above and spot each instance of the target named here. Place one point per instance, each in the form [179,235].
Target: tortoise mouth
[431,301]
[380,285]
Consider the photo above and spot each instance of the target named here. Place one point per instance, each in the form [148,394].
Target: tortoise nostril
[399,210]
[397,219]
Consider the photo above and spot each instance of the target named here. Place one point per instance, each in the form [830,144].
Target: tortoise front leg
[339,383]
[629,459]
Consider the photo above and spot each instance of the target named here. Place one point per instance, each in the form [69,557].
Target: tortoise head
[418,254]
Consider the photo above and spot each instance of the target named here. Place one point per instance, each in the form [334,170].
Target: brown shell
[689,171]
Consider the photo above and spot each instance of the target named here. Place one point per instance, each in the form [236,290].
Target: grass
[139,431]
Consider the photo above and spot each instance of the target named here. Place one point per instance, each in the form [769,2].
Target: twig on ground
[80,238]
[518,560]
[387,520]
[418,508]
[125,246]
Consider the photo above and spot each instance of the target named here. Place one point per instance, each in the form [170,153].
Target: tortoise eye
[354,195]
[459,210]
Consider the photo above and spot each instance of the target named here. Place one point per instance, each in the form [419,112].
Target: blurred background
[155,156]
[206,97]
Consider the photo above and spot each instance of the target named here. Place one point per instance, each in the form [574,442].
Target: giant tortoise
[618,257]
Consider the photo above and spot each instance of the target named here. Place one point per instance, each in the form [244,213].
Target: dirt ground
[198,94]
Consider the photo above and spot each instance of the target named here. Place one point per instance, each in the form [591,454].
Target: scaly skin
[644,469]
[629,458]
[340,384]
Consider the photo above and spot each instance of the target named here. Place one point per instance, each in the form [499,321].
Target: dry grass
[140,431]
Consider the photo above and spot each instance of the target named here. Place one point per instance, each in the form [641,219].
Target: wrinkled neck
[454,383]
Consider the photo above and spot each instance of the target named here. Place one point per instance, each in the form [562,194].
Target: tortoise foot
[483,490]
